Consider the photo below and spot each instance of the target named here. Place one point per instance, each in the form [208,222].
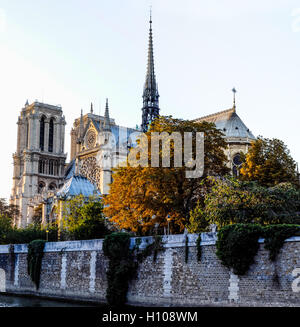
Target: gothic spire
[92,110]
[150,95]
[81,126]
[234,92]
[106,125]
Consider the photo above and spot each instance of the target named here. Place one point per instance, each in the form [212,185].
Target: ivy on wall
[121,269]
[275,235]
[151,249]
[186,249]
[34,260]
[198,245]
[238,244]
[123,263]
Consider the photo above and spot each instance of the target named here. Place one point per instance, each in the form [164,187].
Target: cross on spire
[234,92]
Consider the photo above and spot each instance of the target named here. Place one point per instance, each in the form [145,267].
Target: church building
[41,177]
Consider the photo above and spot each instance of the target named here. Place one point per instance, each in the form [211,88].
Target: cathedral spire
[106,125]
[92,110]
[234,92]
[81,126]
[150,95]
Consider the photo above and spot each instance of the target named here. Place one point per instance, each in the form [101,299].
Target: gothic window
[42,166]
[27,133]
[236,164]
[91,171]
[91,139]
[41,187]
[51,135]
[42,133]
[56,168]
[51,167]
[52,187]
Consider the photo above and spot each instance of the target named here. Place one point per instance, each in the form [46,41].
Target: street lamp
[156,227]
[156,224]
[47,232]
[169,219]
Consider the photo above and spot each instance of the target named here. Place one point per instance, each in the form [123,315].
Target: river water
[18,301]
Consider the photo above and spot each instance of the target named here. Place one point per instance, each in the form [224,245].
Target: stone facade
[39,160]
[77,270]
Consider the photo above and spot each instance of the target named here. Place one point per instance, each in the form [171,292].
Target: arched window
[51,135]
[42,133]
[27,133]
[41,187]
[236,164]
[51,167]
[42,166]
[56,172]
[52,187]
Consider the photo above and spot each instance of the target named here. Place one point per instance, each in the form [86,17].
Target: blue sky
[75,52]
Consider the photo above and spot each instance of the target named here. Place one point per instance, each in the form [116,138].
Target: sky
[74,52]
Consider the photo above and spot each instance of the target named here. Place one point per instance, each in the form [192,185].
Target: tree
[141,197]
[83,218]
[5,228]
[9,210]
[232,202]
[269,163]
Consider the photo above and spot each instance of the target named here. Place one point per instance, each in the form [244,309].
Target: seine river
[17,301]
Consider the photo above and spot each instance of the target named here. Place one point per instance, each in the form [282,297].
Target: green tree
[231,202]
[9,210]
[5,228]
[269,163]
[83,218]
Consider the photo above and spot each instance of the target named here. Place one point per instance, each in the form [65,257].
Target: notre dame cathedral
[41,176]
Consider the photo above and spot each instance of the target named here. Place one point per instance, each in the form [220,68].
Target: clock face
[91,139]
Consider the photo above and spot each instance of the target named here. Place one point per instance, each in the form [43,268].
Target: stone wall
[77,270]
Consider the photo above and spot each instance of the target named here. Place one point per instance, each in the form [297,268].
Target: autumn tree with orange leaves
[143,197]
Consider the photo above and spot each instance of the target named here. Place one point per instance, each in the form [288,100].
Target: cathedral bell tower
[150,108]
[40,159]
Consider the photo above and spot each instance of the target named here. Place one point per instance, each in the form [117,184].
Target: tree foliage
[83,218]
[231,201]
[269,162]
[139,193]
[9,210]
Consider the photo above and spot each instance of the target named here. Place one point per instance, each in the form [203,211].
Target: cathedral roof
[77,185]
[229,123]
[70,170]
[122,134]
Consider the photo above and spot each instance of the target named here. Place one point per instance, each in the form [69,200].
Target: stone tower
[150,108]
[39,161]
